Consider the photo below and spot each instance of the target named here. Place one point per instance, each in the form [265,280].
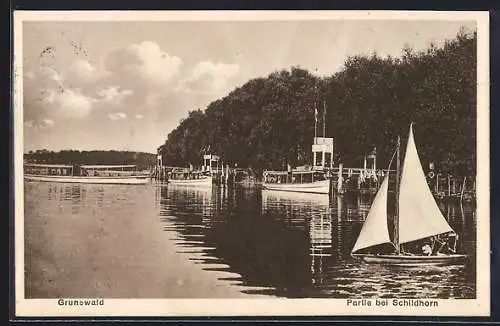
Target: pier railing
[441,185]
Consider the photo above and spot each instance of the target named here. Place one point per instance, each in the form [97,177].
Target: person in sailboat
[442,245]
[418,219]
[427,250]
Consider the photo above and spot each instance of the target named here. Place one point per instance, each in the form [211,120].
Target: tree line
[140,159]
[269,122]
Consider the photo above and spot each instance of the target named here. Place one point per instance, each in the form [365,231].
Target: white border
[260,307]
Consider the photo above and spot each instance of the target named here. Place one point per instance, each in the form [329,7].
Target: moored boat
[306,179]
[294,197]
[186,177]
[421,233]
[297,181]
[99,174]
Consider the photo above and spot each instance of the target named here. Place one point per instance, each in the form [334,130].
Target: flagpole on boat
[315,121]
[324,118]
[396,218]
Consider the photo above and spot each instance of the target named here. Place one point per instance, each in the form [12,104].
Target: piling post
[463,188]
[449,186]
[437,183]
[339,178]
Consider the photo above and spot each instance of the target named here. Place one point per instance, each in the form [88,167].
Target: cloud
[44,78]
[117,116]
[113,94]
[51,74]
[40,124]
[134,81]
[143,64]
[84,71]
[219,70]
[70,104]
[46,96]
[209,77]
[85,76]
[48,122]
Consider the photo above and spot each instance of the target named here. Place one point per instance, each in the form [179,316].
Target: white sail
[419,214]
[375,230]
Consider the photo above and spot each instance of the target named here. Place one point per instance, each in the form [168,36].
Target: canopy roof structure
[185,170]
[293,171]
[106,166]
[38,165]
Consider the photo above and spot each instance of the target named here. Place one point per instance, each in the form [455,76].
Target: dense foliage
[141,160]
[270,121]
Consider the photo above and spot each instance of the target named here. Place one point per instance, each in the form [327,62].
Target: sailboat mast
[396,218]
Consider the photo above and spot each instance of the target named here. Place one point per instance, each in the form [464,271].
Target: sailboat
[418,221]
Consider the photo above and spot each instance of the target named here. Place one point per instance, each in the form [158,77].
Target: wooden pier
[343,180]
[364,180]
[221,176]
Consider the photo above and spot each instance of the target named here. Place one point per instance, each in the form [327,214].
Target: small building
[210,162]
[159,160]
[370,161]
[322,150]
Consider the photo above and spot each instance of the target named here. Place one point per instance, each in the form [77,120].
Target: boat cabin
[107,170]
[293,177]
[48,169]
[186,174]
[240,174]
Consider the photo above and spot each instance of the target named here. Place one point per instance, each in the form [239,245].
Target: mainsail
[419,214]
[375,230]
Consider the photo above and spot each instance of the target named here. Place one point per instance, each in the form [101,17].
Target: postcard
[251,163]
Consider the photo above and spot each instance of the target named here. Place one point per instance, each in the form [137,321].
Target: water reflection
[260,242]
[78,198]
[298,245]
[320,233]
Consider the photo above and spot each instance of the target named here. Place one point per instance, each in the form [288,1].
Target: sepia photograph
[251,163]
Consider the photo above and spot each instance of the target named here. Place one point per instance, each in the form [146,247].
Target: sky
[126,85]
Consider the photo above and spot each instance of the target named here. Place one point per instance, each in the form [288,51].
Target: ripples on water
[298,245]
[275,243]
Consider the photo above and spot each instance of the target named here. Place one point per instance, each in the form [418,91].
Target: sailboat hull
[408,260]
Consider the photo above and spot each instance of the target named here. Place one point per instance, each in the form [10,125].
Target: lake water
[159,241]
